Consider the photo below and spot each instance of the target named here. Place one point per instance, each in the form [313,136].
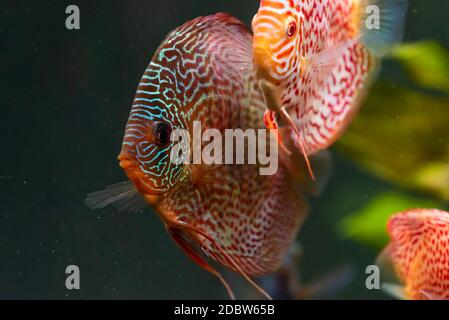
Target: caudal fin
[382,24]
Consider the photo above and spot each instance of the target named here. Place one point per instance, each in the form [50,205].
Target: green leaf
[427,64]
[402,135]
[369,224]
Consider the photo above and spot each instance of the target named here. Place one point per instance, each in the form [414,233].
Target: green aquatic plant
[426,63]
[368,224]
[401,134]
[402,137]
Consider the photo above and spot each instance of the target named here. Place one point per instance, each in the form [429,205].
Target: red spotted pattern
[419,250]
[202,72]
[321,108]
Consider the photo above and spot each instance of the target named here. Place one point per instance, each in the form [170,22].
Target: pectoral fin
[321,65]
[123,195]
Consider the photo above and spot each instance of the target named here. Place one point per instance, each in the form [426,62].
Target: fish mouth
[264,65]
[263,62]
[137,176]
[261,50]
[127,163]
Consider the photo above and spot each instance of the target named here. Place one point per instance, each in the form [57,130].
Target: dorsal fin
[382,24]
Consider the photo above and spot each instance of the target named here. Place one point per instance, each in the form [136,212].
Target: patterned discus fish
[418,254]
[230,213]
[314,59]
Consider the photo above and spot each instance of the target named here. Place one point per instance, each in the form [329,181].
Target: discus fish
[314,60]
[230,213]
[418,254]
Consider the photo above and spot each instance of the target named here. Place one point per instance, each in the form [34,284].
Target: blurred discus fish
[418,255]
[314,60]
[230,213]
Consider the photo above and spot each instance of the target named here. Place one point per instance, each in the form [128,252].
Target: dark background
[65,98]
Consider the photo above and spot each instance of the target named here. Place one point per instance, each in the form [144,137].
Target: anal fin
[196,257]
[195,233]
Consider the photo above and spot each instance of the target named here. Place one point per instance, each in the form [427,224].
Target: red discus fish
[314,59]
[245,221]
[418,254]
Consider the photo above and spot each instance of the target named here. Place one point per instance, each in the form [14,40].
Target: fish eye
[291,30]
[162,132]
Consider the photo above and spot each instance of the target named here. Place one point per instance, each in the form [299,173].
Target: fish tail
[382,24]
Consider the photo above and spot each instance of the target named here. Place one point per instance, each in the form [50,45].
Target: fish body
[418,253]
[231,213]
[315,59]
